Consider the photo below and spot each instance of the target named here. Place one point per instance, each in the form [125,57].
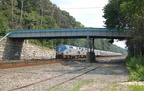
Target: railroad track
[25,63]
[79,71]
[34,62]
[75,77]
[14,62]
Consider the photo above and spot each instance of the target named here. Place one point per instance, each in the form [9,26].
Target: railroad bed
[18,77]
[61,76]
[25,63]
[16,63]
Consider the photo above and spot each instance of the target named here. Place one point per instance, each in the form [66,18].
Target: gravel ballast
[97,80]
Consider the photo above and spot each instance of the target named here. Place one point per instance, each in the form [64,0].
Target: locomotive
[69,51]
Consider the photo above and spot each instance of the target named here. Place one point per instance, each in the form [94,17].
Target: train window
[71,47]
[78,52]
[74,48]
[61,46]
[82,49]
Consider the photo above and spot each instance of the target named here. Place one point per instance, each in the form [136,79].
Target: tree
[3,25]
[134,11]
[12,9]
[21,14]
[114,18]
[127,14]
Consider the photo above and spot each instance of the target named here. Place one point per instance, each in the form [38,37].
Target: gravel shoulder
[105,78]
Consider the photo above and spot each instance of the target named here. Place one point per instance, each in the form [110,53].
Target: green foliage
[35,14]
[113,16]
[103,44]
[100,44]
[127,14]
[3,25]
[138,45]
[136,87]
[78,24]
[135,66]
[42,14]
[81,83]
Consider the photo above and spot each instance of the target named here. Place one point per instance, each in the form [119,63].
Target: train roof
[69,46]
[85,48]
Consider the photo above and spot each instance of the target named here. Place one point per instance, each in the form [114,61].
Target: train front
[60,51]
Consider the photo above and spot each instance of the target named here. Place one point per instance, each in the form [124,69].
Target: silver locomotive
[69,51]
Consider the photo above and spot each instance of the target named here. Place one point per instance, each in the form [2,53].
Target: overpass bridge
[16,38]
[70,33]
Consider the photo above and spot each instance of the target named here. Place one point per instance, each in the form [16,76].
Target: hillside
[42,14]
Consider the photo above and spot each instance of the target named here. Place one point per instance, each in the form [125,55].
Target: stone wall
[21,49]
[2,46]
[30,51]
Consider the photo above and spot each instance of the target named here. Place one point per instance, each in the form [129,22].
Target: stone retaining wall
[28,51]
[2,46]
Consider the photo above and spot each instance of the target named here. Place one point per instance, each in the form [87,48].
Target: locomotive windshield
[60,47]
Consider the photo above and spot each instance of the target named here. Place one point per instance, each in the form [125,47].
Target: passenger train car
[68,51]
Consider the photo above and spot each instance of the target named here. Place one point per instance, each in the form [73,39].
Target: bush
[135,66]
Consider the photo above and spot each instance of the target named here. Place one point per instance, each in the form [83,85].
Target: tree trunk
[12,9]
[21,16]
[41,12]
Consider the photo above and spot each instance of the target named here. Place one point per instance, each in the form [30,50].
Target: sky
[88,12]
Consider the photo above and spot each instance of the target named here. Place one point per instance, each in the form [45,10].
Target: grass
[76,88]
[54,88]
[116,87]
[114,72]
[110,87]
[81,83]
[136,87]
[1,87]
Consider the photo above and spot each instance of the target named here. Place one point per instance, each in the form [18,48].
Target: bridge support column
[13,49]
[90,56]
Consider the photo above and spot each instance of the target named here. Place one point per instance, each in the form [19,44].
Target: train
[68,51]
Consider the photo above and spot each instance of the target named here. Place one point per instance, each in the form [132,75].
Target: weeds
[135,66]
[110,87]
[114,72]
[1,87]
[81,83]
[136,87]
[54,88]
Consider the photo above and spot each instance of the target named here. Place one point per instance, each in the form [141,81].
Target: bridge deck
[70,33]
